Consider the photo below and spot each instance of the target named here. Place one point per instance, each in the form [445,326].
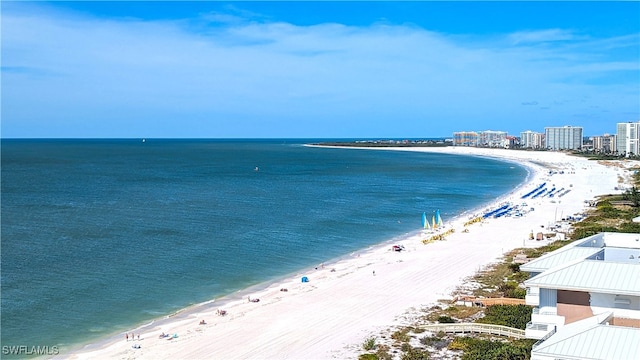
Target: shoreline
[333,313]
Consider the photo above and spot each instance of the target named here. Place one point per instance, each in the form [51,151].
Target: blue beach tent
[305,279]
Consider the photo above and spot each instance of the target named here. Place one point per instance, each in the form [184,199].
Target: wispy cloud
[542,36]
[185,78]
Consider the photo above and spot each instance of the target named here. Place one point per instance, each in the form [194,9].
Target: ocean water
[100,236]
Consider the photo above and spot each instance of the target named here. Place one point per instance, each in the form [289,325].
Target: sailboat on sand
[425,222]
[438,219]
[435,223]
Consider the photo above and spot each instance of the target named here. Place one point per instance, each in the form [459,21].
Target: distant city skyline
[316,69]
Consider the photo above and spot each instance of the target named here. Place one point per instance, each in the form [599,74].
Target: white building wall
[617,303]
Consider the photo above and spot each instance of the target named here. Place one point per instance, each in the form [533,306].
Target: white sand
[331,315]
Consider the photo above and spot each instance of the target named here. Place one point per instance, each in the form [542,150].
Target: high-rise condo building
[563,138]
[605,144]
[627,138]
[531,140]
[490,138]
[465,138]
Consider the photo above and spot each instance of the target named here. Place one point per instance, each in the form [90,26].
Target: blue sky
[316,69]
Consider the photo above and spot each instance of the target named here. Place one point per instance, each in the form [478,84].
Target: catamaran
[425,222]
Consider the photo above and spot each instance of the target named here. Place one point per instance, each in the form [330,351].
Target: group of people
[132,336]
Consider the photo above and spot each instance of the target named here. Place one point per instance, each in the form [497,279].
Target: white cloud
[541,36]
[178,75]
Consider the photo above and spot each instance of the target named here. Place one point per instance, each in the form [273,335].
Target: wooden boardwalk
[458,328]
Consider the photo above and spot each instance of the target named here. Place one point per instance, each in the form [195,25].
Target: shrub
[383,353]
[444,319]
[516,316]
[434,341]
[401,335]
[520,276]
[478,349]
[368,357]
[415,354]
[369,344]
[516,293]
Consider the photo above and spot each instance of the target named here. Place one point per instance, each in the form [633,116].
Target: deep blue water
[101,235]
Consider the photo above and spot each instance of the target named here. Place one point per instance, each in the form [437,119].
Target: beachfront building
[563,138]
[627,138]
[605,144]
[531,140]
[586,298]
[493,139]
[465,138]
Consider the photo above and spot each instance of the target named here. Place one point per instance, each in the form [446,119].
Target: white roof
[596,342]
[592,276]
[557,258]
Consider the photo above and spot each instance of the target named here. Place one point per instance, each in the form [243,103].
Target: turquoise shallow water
[101,235]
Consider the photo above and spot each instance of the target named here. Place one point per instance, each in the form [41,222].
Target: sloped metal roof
[592,276]
[557,258]
[598,342]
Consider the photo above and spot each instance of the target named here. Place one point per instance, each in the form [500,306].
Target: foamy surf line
[353,298]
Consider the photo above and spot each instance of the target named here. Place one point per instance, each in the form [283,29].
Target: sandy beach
[345,302]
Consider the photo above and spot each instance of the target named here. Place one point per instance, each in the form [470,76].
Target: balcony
[545,337]
[545,310]
[543,320]
[532,297]
[538,331]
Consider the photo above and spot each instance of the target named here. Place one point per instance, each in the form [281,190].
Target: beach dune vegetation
[369,344]
[515,316]
[480,349]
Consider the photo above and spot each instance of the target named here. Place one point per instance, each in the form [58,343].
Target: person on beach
[126,337]
[374,273]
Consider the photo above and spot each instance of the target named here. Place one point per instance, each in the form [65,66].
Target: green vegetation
[444,319]
[480,349]
[402,335]
[494,284]
[438,341]
[515,316]
[614,213]
[369,344]
[537,252]
[510,289]
[383,353]
[455,312]
[368,357]
[411,353]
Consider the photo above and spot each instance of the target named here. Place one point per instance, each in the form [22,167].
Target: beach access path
[346,302]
